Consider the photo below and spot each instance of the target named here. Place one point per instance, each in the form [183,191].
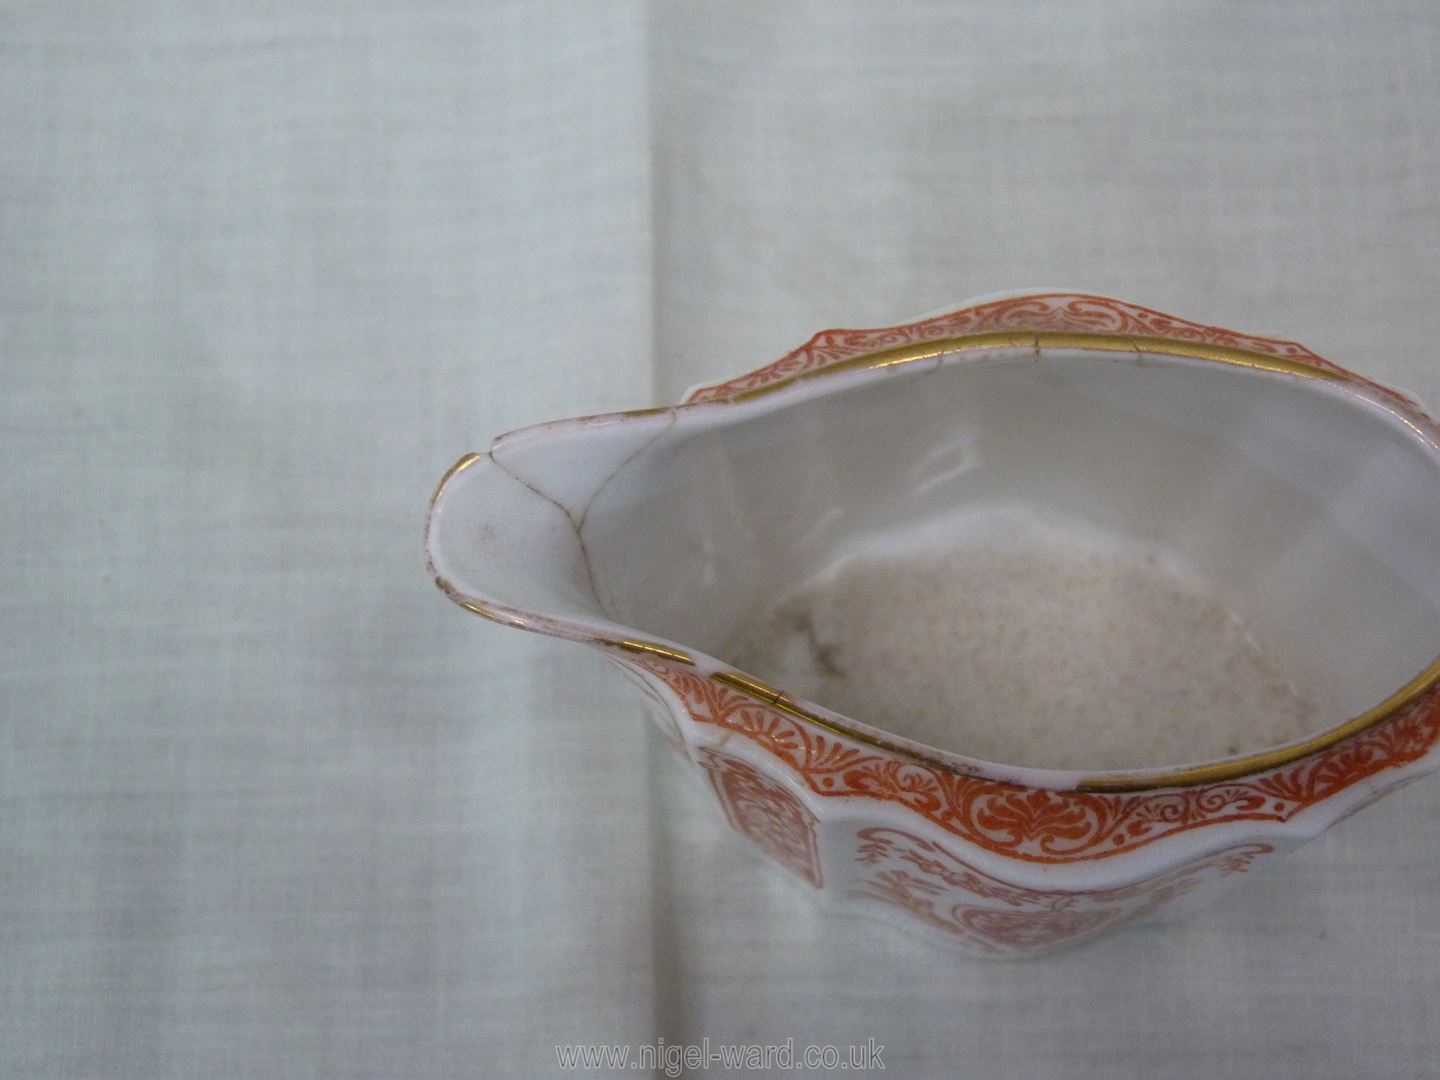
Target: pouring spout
[501,548]
[505,536]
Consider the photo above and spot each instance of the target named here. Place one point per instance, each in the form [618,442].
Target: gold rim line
[450,474]
[1200,774]
[1048,339]
[1403,698]
[651,649]
[475,607]
[630,645]
[746,685]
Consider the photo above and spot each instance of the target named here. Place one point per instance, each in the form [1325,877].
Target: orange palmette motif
[1036,824]
[897,870]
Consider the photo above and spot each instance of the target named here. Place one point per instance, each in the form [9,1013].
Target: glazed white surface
[273,808]
[1306,507]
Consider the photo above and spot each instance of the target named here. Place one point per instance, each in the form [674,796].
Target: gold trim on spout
[450,473]
[649,648]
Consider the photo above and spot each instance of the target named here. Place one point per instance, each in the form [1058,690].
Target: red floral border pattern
[941,890]
[1073,312]
[1041,825]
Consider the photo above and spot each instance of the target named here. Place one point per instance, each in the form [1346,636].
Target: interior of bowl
[1307,506]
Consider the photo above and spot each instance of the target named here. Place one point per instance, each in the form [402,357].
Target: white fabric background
[272,808]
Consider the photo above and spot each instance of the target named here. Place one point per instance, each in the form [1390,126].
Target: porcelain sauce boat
[1309,492]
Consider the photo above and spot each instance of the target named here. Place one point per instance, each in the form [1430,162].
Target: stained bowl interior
[1310,505]
[1312,509]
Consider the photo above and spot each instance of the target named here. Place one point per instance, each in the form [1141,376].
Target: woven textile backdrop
[273,809]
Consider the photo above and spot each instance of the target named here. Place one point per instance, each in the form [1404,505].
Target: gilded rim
[1116,781]
[1049,339]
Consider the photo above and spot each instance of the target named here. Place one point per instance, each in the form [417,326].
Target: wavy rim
[1105,780]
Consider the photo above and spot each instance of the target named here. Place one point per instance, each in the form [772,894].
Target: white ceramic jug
[1310,492]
